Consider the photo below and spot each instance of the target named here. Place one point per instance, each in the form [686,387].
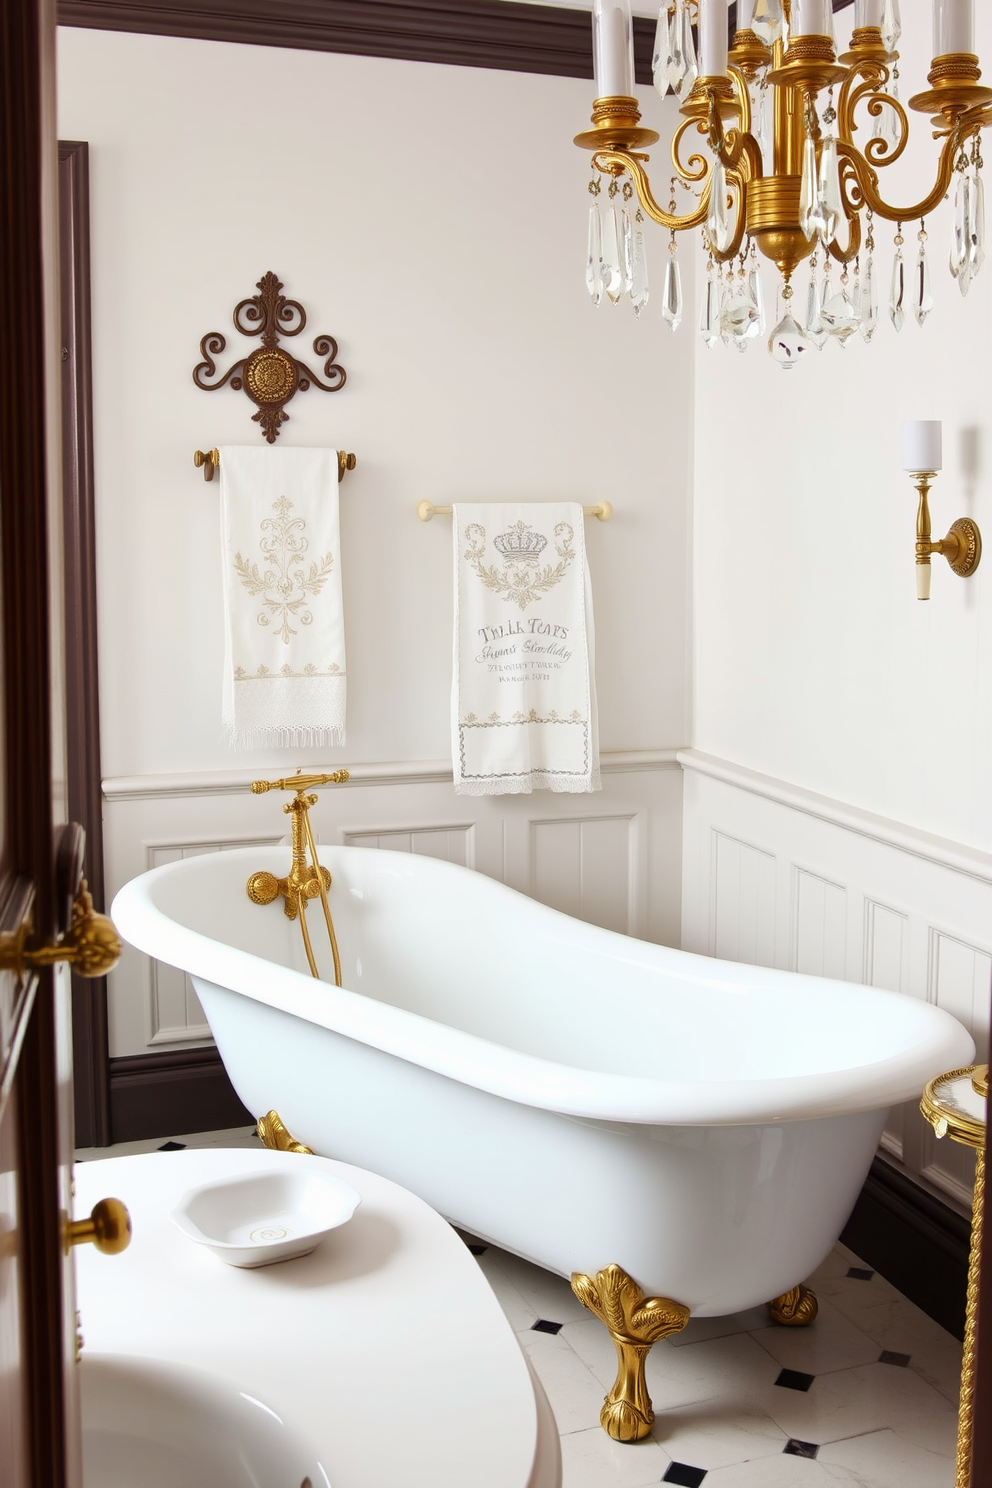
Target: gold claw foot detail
[272,1132]
[796,1308]
[635,1323]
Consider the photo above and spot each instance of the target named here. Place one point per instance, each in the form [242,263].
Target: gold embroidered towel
[523,696]
[284,672]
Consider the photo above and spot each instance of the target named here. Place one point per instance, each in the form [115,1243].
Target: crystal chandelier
[783,176]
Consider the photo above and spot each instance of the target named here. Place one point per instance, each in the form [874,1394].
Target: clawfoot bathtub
[681,1135]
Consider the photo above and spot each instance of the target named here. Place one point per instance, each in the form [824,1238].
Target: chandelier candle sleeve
[712,38]
[812,18]
[867,13]
[921,445]
[613,48]
[953,26]
[745,14]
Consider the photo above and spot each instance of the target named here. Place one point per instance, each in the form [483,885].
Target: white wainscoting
[782,877]
[612,857]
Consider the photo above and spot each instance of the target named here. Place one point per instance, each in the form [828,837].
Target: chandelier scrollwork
[781,174]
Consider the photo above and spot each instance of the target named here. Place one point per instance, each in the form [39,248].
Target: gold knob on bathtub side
[108,1228]
[90,945]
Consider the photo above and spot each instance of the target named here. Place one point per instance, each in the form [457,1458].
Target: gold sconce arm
[962,547]
[90,945]
[108,1228]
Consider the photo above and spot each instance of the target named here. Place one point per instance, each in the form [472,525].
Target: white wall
[814,661]
[432,219]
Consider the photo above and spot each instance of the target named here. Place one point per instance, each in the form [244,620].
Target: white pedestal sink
[163,1424]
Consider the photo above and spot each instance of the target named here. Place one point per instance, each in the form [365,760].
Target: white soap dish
[256,1219]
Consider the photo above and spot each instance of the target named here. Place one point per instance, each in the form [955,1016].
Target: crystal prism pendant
[638,270]
[814,325]
[839,317]
[768,21]
[626,250]
[891,24]
[594,262]
[659,61]
[922,294]
[787,343]
[738,313]
[868,301]
[829,202]
[897,295]
[709,319]
[612,261]
[671,304]
[976,224]
[675,61]
[757,326]
[690,71]
[961,262]
[717,221]
[809,222]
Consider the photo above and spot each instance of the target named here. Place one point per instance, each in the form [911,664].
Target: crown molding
[502,34]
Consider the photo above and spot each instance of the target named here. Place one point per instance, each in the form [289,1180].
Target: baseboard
[916,1242]
[184,1090]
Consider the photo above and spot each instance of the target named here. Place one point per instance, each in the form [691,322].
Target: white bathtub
[568,1093]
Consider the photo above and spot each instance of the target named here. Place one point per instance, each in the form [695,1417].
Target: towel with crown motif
[284,671]
[523,694]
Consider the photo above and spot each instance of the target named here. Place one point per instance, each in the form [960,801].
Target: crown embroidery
[524,578]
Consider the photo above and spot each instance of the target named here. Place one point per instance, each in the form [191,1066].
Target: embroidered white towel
[523,695]
[284,671]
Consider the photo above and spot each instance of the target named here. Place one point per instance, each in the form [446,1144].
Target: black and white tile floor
[865,1398]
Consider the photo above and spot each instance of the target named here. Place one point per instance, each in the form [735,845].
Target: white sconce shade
[921,445]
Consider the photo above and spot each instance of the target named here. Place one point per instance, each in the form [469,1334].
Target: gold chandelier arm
[845,255]
[874,76]
[867,181]
[742,98]
[696,167]
[604,160]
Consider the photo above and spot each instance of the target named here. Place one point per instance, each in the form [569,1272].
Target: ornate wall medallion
[270,375]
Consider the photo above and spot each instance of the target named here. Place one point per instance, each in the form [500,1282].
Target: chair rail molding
[777,875]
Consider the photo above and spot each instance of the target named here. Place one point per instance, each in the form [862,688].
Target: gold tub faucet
[305,880]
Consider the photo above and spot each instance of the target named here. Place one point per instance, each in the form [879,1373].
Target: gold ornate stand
[796,1308]
[635,1323]
[949,1105]
[273,1133]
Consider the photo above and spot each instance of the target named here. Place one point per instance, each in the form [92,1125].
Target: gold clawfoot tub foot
[795,1308]
[273,1133]
[635,1323]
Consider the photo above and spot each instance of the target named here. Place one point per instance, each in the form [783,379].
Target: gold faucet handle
[108,1228]
[299,782]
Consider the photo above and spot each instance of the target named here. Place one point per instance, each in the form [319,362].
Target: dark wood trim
[918,1243]
[158,1095]
[90,1037]
[467,33]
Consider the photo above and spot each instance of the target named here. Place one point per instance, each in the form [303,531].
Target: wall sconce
[962,547]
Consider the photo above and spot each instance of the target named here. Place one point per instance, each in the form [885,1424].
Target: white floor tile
[718,1433]
[576,1397]
[934,1353]
[519,1312]
[730,1367]
[551,1296]
[853,1402]
[831,1342]
[884,1459]
[782,1472]
[698,1330]
[236,1136]
[590,1459]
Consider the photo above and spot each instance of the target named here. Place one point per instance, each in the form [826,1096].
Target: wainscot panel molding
[779,876]
[611,857]
[468,33]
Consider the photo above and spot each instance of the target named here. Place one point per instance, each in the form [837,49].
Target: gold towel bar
[603,510]
[211,460]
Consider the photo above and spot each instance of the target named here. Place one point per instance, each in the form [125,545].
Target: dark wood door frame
[90,1046]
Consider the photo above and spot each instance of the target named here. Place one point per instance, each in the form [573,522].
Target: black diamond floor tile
[172,1147]
[794,1379]
[888,1357]
[794,1448]
[684,1475]
[478,1249]
[544,1325]
[859,1273]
